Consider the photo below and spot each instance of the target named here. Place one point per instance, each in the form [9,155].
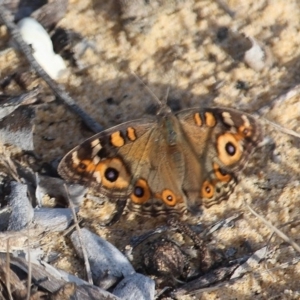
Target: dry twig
[275,229]
[86,261]
[6,18]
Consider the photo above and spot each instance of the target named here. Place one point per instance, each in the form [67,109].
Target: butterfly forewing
[103,162]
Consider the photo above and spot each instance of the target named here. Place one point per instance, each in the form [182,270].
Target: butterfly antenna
[165,99]
[159,102]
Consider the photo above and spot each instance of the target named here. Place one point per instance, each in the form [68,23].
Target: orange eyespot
[168,197]
[82,167]
[141,192]
[229,149]
[245,131]
[221,174]
[207,190]
[85,165]
[113,173]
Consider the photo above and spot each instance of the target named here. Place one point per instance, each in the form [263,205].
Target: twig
[6,18]
[8,163]
[7,279]
[276,230]
[29,274]
[282,129]
[279,100]
[224,6]
[85,256]
[158,101]
[197,285]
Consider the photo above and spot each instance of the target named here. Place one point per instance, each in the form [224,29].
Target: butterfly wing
[105,161]
[130,161]
[222,141]
[168,164]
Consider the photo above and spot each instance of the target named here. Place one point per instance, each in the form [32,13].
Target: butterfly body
[169,164]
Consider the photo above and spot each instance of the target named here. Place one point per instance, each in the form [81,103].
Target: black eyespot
[111,174]
[218,190]
[82,166]
[138,191]
[230,148]
[169,198]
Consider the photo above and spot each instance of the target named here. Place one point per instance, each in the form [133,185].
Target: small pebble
[37,37]
[22,211]
[105,259]
[54,219]
[135,286]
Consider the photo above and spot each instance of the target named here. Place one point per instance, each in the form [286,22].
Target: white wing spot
[96,160]
[75,158]
[227,118]
[246,121]
[97,176]
[96,145]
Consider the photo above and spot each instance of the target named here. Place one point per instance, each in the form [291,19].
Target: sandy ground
[181,45]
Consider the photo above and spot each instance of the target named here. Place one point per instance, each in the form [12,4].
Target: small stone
[165,258]
[37,37]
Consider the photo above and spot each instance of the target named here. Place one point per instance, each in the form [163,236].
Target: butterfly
[169,164]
